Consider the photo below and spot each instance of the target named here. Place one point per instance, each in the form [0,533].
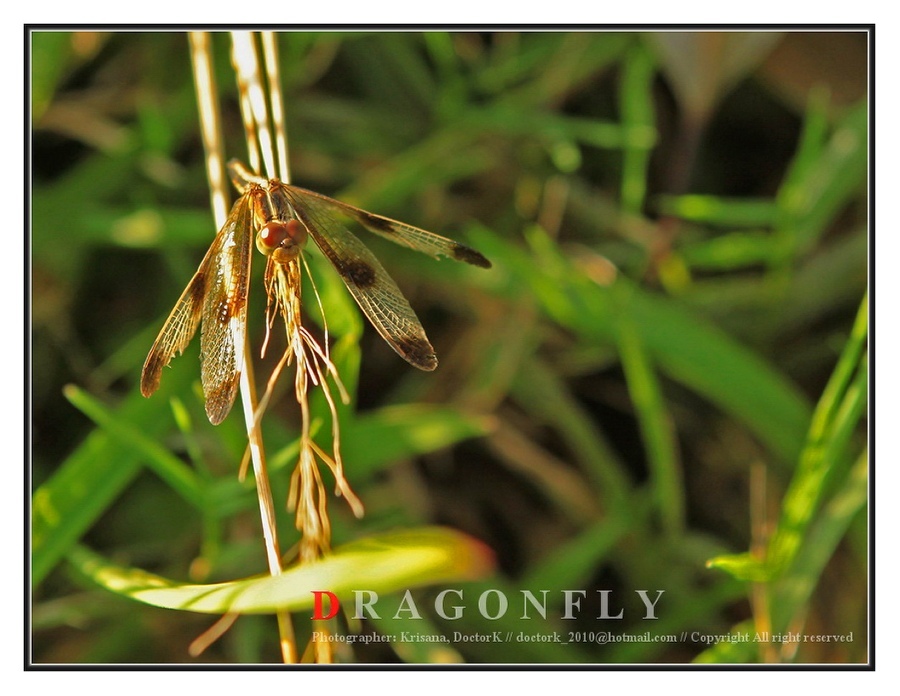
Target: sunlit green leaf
[388,563]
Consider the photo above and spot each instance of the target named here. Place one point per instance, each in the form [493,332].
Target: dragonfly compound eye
[281,241]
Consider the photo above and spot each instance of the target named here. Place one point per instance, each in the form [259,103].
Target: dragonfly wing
[373,289]
[399,232]
[217,296]
[178,330]
[224,328]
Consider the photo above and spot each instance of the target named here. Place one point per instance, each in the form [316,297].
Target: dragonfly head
[282,241]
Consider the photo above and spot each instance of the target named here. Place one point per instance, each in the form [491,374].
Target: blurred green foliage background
[665,365]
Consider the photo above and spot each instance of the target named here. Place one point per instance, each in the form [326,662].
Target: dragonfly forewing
[216,297]
[398,232]
[374,290]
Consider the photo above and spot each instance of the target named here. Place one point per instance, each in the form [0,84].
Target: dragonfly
[281,218]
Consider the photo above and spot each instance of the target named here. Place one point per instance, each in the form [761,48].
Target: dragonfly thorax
[282,241]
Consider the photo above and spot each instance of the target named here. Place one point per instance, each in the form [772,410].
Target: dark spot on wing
[417,352]
[198,288]
[220,399]
[469,255]
[376,223]
[358,272]
[151,373]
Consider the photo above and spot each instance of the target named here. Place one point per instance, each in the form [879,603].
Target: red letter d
[334,604]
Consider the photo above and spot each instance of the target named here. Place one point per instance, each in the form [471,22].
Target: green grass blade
[50,52]
[172,470]
[837,415]
[541,392]
[730,251]
[655,424]
[389,562]
[66,505]
[572,564]
[636,98]
[739,381]
[793,592]
[684,346]
[376,440]
[719,211]
[823,177]
[847,366]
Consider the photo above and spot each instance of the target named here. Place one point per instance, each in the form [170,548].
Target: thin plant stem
[210,124]
[254,111]
[254,106]
[213,145]
[273,78]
